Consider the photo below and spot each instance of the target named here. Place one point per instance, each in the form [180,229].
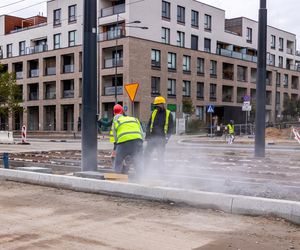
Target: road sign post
[246,107]
[210,109]
[131,90]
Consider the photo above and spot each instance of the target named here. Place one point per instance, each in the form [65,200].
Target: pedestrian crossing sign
[210,109]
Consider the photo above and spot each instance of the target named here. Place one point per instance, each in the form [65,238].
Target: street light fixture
[118,34]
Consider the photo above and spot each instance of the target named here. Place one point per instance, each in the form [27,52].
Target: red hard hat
[118,109]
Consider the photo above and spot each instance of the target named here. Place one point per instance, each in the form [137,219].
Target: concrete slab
[235,204]
[36,169]
[90,174]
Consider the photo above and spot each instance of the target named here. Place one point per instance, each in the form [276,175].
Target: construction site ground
[34,217]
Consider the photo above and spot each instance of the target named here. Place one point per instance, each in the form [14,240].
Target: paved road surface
[34,217]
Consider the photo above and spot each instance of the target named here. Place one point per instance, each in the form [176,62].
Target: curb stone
[234,204]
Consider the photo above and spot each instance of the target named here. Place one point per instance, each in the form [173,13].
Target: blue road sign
[210,109]
[125,108]
[246,98]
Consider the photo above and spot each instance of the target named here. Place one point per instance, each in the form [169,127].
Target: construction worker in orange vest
[159,130]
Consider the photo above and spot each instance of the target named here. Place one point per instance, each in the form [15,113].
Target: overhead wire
[10,4]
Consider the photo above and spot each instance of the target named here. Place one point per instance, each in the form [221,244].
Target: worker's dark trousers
[157,144]
[134,148]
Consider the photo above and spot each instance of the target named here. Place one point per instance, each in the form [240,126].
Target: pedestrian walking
[159,130]
[230,129]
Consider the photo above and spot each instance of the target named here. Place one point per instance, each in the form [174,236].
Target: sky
[282,14]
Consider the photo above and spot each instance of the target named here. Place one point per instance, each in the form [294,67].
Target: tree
[187,106]
[290,107]
[10,93]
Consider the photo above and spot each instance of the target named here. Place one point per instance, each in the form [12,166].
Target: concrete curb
[235,204]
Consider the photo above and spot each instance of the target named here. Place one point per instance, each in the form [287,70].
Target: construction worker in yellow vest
[128,138]
[159,130]
[230,128]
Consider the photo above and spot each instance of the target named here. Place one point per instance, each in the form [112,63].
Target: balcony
[50,95]
[289,51]
[34,73]
[112,62]
[50,71]
[69,68]
[68,93]
[37,49]
[237,55]
[117,9]
[295,67]
[19,75]
[108,91]
[110,35]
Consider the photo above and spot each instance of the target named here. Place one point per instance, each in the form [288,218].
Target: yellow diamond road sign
[131,90]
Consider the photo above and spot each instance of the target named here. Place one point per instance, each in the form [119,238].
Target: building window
[280,62]
[280,43]
[186,64]
[9,50]
[186,90]
[249,35]
[155,86]
[72,35]
[213,68]
[241,73]
[155,58]
[56,40]
[72,13]
[286,80]
[213,92]
[200,66]
[166,10]
[195,19]
[207,43]
[200,90]
[171,61]
[273,42]
[271,59]
[207,22]
[194,42]
[180,14]
[171,88]
[200,112]
[56,17]
[180,39]
[165,35]
[22,48]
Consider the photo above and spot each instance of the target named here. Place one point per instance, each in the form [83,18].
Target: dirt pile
[275,133]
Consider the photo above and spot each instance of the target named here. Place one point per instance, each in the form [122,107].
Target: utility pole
[89,96]
[261,82]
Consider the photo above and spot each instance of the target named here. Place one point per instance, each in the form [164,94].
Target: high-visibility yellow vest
[231,128]
[126,128]
[111,136]
[166,127]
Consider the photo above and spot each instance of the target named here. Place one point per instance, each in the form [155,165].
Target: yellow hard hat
[159,100]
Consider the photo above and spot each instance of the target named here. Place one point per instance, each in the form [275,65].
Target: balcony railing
[50,95]
[237,55]
[69,68]
[50,71]
[34,73]
[295,67]
[289,51]
[68,93]
[110,35]
[111,63]
[117,9]
[111,90]
[19,75]
[36,49]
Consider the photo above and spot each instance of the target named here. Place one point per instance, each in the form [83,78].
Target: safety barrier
[6,137]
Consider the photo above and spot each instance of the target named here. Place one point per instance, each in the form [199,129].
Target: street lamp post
[261,82]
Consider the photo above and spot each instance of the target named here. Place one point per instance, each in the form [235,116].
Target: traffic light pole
[261,82]
[89,95]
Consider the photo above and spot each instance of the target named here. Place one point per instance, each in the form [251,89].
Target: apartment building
[188,51]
